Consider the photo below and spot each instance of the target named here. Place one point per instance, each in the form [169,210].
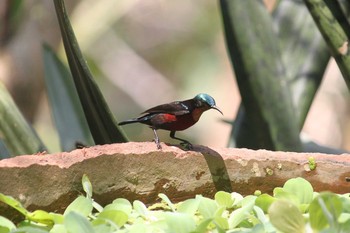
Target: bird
[175,116]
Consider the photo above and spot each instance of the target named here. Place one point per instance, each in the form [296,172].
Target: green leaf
[301,188]
[304,52]
[167,201]
[81,205]
[207,207]
[120,204]
[77,223]
[14,204]
[18,135]
[224,199]
[324,211]
[57,218]
[140,208]
[87,186]
[41,216]
[102,123]
[203,225]
[264,201]
[116,216]
[238,215]
[30,229]
[58,228]
[66,108]
[179,222]
[189,206]
[6,225]
[259,70]
[221,222]
[335,29]
[286,217]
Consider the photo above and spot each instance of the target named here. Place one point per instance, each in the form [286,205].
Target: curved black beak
[216,108]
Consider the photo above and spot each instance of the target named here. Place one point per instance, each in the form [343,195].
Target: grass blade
[102,123]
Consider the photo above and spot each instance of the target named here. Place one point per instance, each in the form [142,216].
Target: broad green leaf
[207,207]
[345,227]
[77,223]
[301,188]
[179,222]
[6,225]
[118,217]
[30,229]
[87,186]
[304,53]
[57,218]
[238,215]
[259,70]
[102,123]
[140,208]
[203,225]
[14,204]
[41,216]
[224,199]
[286,217]
[264,201]
[189,206]
[167,201]
[81,205]
[221,222]
[335,29]
[65,106]
[324,211]
[18,136]
[121,204]
[345,199]
[58,228]
[281,193]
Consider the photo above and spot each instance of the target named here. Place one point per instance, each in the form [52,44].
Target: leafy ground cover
[295,207]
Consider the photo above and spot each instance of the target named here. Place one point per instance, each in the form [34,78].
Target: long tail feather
[130,121]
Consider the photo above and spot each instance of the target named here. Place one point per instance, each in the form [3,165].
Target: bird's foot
[186,145]
[159,147]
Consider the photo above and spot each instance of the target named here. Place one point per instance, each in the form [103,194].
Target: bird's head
[206,101]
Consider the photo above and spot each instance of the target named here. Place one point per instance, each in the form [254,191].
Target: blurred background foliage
[143,53]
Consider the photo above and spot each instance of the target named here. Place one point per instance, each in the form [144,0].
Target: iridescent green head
[206,100]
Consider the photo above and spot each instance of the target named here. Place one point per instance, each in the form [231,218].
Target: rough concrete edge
[244,169]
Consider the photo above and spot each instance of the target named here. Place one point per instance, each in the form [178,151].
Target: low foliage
[295,207]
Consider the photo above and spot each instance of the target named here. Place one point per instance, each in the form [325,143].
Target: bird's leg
[184,142]
[156,139]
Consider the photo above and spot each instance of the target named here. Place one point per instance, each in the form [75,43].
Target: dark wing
[176,108]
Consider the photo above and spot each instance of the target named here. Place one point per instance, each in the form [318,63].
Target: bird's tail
[130,121]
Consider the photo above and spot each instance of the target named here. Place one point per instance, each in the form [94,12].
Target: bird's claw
[159,147]
[186,145]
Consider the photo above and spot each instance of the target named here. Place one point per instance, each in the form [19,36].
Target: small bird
[175,116]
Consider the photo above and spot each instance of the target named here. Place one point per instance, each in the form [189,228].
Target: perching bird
[175,116]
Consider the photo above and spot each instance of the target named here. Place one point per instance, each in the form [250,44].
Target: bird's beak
[216,108]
